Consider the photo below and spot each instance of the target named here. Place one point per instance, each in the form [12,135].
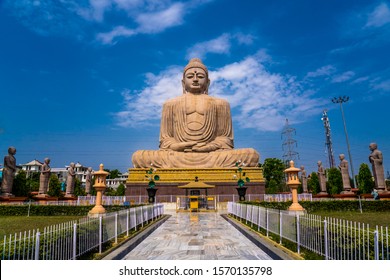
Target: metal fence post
[142,216]
[37,240]
[127,222]
[100,234]
[376,245]
[116,227]
[280,226]
[74,240]
[267,220]
[298,235]
[326,239]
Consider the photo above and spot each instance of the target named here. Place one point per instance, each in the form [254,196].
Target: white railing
[334,239]
[283,197]
[106,200]
[71,240]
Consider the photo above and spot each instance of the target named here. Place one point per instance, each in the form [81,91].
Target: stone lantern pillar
[293,183]
[100,186]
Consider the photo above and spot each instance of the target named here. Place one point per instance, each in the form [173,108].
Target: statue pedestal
[11,199]
[170,179]
[97,211]
[44,198]
[6,195]
[321,195]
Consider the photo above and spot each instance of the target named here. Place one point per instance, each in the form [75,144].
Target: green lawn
[16,224]
[371,218]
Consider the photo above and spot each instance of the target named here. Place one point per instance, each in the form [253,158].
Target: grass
[371,218]
[16,224]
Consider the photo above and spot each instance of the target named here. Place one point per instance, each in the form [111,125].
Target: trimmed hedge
[334,205]
[53,210]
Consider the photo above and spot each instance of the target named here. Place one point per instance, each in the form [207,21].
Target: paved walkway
[196,236]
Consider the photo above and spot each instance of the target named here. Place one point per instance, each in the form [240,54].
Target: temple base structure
[224,180]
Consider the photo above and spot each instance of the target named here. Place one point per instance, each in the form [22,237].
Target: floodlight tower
[340,100]
[328,139]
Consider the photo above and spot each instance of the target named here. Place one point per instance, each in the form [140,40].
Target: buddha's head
[195,77]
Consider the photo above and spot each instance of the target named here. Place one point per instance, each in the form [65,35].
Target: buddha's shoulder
[173,101]
[220,101]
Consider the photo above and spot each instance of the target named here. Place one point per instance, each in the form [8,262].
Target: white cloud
[95,11]
[79,17]
[219,45]
[244,39]
[382,86]
[343,77]
[143,106]
[379,17]
[147,23]
[323,71]
[158,21]
[119,31]
[259,99]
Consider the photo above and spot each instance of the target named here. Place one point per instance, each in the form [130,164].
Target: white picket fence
[283,197]
[335,239]
[71,240]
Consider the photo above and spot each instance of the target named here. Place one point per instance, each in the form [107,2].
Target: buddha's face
[195,80]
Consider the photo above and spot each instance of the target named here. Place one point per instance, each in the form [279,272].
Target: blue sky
[84,81]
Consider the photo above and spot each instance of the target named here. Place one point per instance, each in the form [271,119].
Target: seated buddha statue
[196,129]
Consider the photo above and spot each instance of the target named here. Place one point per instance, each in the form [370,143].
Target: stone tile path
[196,236]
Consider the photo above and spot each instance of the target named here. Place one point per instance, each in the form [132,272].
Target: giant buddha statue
[196,129]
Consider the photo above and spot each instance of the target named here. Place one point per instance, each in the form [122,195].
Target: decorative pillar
[293,183]
[100,186]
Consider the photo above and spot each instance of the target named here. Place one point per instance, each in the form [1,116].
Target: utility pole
[288,144]
[340,100]
[328,139]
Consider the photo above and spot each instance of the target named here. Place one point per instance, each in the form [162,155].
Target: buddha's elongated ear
[207,86]
[182,84]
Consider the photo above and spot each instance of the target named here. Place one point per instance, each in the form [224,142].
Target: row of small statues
[376,160]
[9,171]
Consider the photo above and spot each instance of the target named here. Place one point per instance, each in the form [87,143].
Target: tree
[20,187]
[273,171]
[335,181]
[115,174]
[120,191]
[109,191]
[313,183]
[54,186]
[78,190]
[33,181]
[365,181]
